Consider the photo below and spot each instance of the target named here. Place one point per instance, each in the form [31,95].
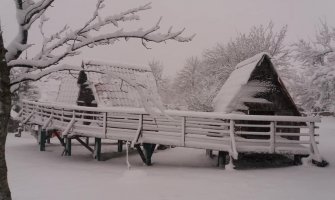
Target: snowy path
[177,174]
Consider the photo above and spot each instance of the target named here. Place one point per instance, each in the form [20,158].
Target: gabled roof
[109,90]
[234,83]
[225,101]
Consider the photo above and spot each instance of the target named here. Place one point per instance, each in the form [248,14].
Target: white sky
[213,21]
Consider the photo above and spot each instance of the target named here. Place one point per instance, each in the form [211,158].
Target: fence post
[272,137]
[232,139]
[314,147]
[105,124]
[183,128]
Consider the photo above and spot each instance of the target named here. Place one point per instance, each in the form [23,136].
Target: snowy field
[176,174]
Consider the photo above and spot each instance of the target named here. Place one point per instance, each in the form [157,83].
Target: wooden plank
[253,125]
[252,133]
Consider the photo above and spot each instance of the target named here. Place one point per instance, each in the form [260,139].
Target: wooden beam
[61,140]
[140,152]
[84,144]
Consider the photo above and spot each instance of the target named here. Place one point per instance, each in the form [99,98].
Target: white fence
[215,131]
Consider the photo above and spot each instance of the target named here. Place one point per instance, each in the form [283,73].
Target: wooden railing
[232,133]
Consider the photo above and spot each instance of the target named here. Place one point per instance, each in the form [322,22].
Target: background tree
[318,59]
[192,87]
[67,42]
[217,63]
[163,83]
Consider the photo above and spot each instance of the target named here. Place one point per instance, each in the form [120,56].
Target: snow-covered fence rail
[230,133]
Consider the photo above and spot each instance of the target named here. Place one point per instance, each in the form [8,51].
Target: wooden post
[272,137]
[87,141]
[314,147]
[97,149]
[42,139]
[148,150]
[105,124]
[232,138]
[68,146]
[222,159]
[119,145]
[183,128]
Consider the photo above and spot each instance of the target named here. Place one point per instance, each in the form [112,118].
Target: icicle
[127,155]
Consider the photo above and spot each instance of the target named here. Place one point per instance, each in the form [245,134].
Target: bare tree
[55,48]
[318,60]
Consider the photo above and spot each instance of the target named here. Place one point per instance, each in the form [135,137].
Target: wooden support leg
[222,159]
[140,152]
[148,150]
[61,140]
[119,145]
[297,159]
[43,135]
[97,149]
[209,153]
[68,146]
[87,141]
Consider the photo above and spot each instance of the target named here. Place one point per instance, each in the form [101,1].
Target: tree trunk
[5,107]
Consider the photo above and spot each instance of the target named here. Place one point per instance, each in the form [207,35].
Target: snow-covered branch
[27,12]
[73,41]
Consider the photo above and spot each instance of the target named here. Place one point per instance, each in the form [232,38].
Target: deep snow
[177,173]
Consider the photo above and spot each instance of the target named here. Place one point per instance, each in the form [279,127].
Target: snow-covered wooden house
[110,85]
[255,88]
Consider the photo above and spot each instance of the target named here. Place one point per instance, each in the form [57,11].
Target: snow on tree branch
[318,59]
[73,41]
[27,12]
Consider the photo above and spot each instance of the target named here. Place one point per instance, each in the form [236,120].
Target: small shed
[99,85]
[255,88]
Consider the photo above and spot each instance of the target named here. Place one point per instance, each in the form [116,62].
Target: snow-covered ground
[176,174]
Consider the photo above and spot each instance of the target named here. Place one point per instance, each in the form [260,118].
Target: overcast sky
[212,20]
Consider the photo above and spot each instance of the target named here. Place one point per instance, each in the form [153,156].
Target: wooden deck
[212,131]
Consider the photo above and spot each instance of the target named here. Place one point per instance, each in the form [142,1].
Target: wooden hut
[255,88]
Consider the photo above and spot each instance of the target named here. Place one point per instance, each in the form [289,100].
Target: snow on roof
[117,65]
[68,91]
[110,91]
[237,79]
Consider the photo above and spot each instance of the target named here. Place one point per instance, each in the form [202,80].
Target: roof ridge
[254,58]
